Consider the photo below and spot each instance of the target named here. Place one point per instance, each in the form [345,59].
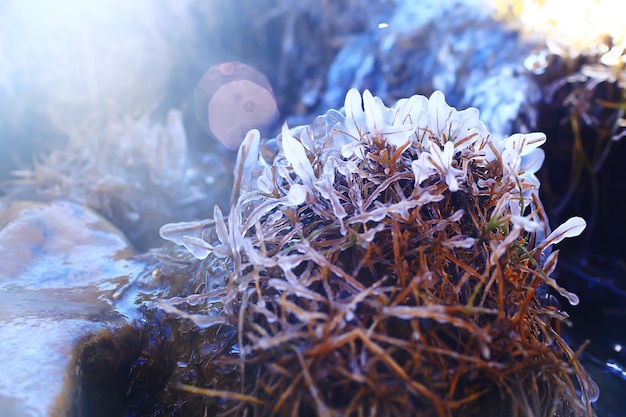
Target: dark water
[599,319]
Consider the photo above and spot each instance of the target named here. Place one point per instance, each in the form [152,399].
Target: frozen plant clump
[136,172]
[389,261]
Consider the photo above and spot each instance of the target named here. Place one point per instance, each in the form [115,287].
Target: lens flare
[232,98]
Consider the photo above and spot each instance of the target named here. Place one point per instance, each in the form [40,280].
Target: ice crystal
[438,161]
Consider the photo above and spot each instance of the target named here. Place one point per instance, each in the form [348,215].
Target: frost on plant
[134,171]
[388,259]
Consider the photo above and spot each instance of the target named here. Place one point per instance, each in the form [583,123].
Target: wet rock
[464,51]
[59,245]
[62,267]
